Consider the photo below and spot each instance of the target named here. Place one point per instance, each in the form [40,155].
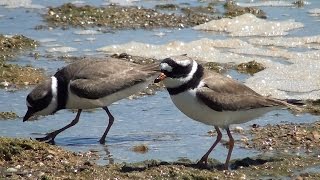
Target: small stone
[64,162]
[243,176]
[142,148]
[4,84]
[18,166]
[316,135]
[244,140]
[238,129]
[49,156]
[12,170]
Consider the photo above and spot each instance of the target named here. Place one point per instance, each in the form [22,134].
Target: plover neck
[62,90]
[190,82]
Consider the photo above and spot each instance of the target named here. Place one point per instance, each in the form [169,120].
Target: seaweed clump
[232,10]
[10,46]
[119,17]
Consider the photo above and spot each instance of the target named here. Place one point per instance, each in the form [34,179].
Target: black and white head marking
[43,100]
[178,72]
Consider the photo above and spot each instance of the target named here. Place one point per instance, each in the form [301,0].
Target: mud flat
[21,158]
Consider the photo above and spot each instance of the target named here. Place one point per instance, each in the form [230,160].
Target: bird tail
[296,105]
[296,102]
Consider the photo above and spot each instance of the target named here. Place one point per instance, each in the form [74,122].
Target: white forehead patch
[166,67]
[184,62]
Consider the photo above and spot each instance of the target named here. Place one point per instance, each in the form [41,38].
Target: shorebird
[212,98]
[87,84]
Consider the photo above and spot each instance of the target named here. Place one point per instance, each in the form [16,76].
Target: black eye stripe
[178,70]
[170,62]
[40,103]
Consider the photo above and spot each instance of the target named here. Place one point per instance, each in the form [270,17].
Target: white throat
[54,101]
[176,82]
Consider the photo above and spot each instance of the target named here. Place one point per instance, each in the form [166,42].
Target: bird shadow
[212,164]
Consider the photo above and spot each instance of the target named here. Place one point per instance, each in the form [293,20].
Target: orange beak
[161,77]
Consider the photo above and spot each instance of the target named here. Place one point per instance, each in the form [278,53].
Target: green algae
[250,67]
[214,66]
[168,7]
[312,106]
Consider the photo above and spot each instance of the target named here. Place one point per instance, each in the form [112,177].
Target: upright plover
[213,99]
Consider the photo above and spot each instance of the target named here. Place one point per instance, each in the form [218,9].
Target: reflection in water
[108,155]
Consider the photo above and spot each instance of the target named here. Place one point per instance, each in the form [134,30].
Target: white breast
[188,103]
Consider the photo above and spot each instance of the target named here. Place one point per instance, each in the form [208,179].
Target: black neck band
[191,84]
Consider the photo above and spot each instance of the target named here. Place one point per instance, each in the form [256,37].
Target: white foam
[294,73]
[61,49]
[87,32]
[314,12]
[203,49]
[250,25]
[267,3]
[300,80]
[121,2]
[311,42]
[19,4]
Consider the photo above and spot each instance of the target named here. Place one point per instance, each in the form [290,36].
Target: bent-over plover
[87,84]
[213,99]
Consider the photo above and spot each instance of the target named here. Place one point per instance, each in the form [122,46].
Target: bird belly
[188,103]
[76,102]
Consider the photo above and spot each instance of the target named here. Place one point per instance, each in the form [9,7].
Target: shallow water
[152,120]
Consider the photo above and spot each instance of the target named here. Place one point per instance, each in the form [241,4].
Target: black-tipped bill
[28,114]
[161,77]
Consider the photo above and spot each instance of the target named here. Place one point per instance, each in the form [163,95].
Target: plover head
[176,71]
[42,100]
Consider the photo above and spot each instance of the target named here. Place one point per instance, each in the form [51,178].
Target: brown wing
[101,78]
[221,93]
[223,84]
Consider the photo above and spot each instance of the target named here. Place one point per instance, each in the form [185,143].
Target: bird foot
[48,139]
[203,163]
[102,141]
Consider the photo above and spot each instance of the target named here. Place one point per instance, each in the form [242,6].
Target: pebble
[12,170]
[4,83]
[243,176]
[238,129]
[49,156]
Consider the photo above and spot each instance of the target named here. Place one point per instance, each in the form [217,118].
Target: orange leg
[231,145]
[204,158]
